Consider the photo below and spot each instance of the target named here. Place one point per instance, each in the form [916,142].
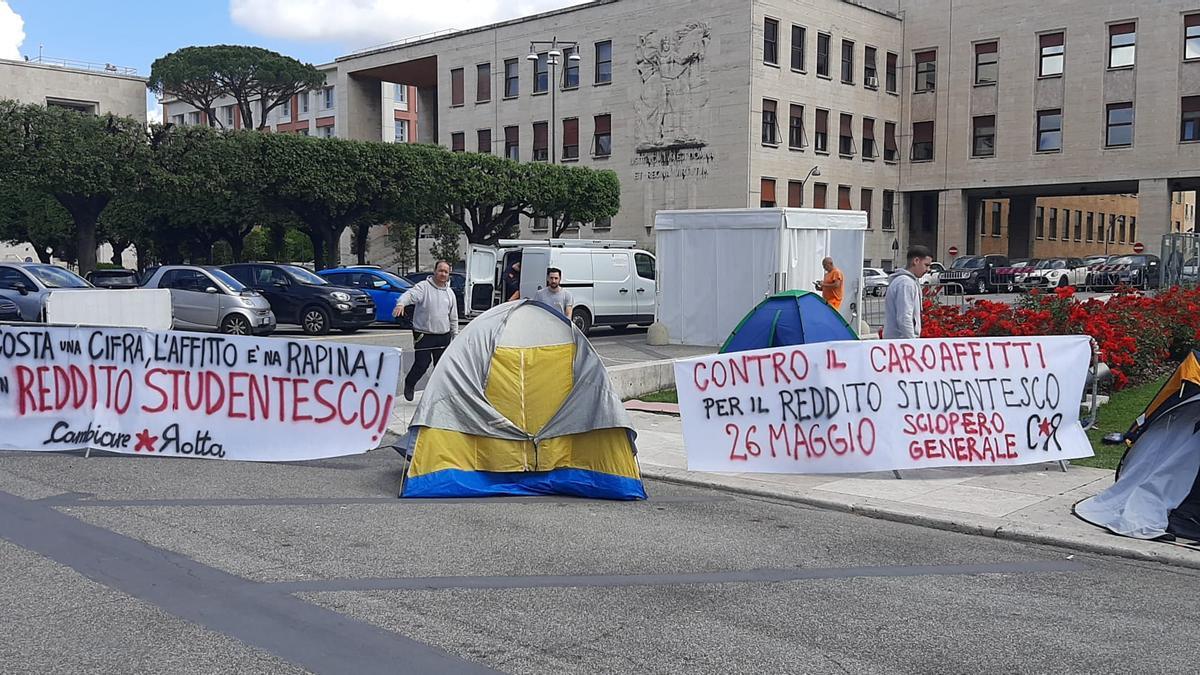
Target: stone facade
[97,91]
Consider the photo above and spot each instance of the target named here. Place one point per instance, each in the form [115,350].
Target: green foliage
[570,194]
[191,75]
[1116,417]
[446,236]
[83,161]
[402,238]
[27,215]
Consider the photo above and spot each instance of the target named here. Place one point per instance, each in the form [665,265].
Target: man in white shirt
[554,294]
[434,321]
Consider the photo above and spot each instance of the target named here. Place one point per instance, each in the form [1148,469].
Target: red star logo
[1045,428]
[145,440]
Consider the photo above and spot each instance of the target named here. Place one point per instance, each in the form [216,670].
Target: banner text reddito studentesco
[867,406]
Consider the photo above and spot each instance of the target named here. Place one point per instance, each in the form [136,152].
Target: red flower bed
[1138,335]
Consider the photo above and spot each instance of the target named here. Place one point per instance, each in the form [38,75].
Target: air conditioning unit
[872,81]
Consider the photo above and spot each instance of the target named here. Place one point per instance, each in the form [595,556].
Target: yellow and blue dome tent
[520,404]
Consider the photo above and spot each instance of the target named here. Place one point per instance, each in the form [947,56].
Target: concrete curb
[896,512]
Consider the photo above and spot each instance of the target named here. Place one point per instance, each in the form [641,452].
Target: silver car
[29,284]
[875,281]
[208,299]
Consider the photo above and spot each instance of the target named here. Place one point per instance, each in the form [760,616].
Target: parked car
[1056,273]
[9,310]
[875,281]
[29,284]
[384,288]
[458,284]
[977,273]
[114,278]
[933,274]
[1141,271]
[301,297]
[208,299]
[1191,271]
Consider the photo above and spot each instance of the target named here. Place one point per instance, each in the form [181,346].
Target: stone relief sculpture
[674,88]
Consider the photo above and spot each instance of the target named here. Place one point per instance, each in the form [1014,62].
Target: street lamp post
[553,59]
[815,171]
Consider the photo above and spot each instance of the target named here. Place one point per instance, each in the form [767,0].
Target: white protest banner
[849,407]
[191,395]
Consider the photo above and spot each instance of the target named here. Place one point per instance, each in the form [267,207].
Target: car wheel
[582,319]
[236,324]
[314,320]
[980,287]
[1062,282]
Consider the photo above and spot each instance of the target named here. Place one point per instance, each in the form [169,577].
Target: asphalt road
[159,565]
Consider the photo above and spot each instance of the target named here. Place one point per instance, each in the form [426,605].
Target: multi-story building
[916,111]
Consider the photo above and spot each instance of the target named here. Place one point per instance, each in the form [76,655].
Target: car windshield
[1052,265]
[395,280]
[226,280]
[57,277]
[968,263]
[1126,260]
[303,276]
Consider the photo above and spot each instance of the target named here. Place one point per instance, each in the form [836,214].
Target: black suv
[1139,271]
[298,296]
[979,273]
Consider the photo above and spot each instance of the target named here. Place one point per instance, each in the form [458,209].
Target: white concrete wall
[123,95]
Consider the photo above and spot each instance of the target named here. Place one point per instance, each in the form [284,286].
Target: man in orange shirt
[831,286]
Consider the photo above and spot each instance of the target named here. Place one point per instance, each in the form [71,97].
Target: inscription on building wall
[687,163]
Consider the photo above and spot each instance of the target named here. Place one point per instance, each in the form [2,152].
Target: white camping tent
[715,265]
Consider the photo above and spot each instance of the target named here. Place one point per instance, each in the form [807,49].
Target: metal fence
[872,309]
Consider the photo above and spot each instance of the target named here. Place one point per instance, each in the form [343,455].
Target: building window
[304,102]
[926,79]
[1052,52]
[1091,226]
[1119,125]
[570,149]
[821,136]
[847,62]
[541,141]
[890,73]
[285,110]
[770,42]
[997,208]
[327,132]
[795,194]
[1191,36]
[770,131]
[987,67]
[1122,42]
[1079,226]
[512,143]
[458,142]
[868,139]
[328,98]
[1100,227]
[922,144]
[1040,227]
[483,83]
[1112,229]
[456,87]
[870,73]
[1133,228]
[1049,130]
[603,141]
[864,204]
[1189,125]
[541,74]
[570,69]
[512,78]
[401,133]
[766,197]
[483,139]
[1121,225]
[604,62]
[819,190]
[540,224]
[399,93]
[823,40]
[1053,224]
[846,136]
[889,223]
[227,111]
[844,198]
[796,127]
[798,39]
[177,120]
[983,136]
[604,223]
[193,118]
[891,151]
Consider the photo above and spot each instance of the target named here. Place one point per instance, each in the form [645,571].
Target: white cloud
[361,23]
[154,113]
[12,32]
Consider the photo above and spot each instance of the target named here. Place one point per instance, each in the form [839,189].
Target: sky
[133,33]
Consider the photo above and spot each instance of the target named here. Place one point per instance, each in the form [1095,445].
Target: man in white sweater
[434,321]
[902,307]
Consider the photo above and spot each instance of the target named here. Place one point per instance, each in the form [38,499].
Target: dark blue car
[384,288]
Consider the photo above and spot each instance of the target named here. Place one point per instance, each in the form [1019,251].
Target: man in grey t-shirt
[554,294]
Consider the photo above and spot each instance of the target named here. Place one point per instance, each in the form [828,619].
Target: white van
[612,282]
